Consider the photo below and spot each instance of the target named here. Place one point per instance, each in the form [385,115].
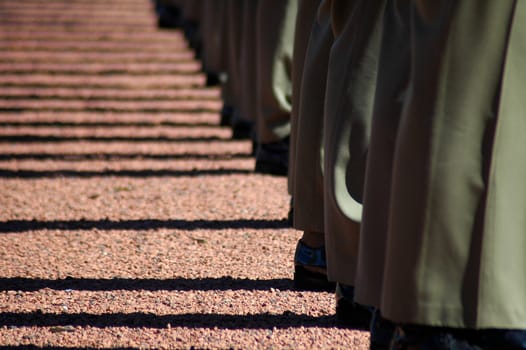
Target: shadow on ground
[37,174]
[71,157]
[23,284]
[34,347]
[164,139]
[147,320]
[13,226]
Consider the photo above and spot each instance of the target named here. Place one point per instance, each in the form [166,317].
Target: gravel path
[128,218]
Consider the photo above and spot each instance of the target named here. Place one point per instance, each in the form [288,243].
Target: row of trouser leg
[392,114]
[252,42]
[366,140]
[439,157]
[307,10]
[327,167]
[467,122]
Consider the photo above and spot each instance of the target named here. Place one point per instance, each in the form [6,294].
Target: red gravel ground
[128,218]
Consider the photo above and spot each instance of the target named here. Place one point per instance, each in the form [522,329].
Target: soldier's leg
[169,14]
[307,10]
[308,182]
[231,89]
[243,122]
[446,266]
[275,35]
[213,39]
[351,87]
[192,16]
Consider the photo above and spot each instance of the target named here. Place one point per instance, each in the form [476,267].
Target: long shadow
[51,138]
[148,320]
[34,347]
[14,226]
[119,156]
[105,109]
[92,85]
[37,174]
[64,124]
[101,97]
[102,73]
[130,284]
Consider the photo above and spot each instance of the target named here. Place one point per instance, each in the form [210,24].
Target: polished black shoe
[382,332]
[273,158]
[227,113]
[241,130]
[350,314]
[168,17]
[215,79]
[191,32]
[290,216]
[306,279]
[503,339]
[435,338]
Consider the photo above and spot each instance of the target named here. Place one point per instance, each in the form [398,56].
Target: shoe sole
[350,315]
[269,168]
[312,281]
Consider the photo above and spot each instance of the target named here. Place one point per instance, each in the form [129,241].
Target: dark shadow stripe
[107,98]
[148,320]
[130,284]
[34,347]
[119,156]
[108,109]
[61,124]
[102,72]
[38,138]
[104,85]
[38,174]
[13,226]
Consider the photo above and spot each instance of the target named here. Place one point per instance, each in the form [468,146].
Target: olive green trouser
[308,184]
[248,62]
[212,16]
[231,90]
[351,85]
[191,9]
[323,200]
[275,22]
[443,233]
[307,10]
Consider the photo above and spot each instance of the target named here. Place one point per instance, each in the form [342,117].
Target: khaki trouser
[275,34]
[213,13]
[324,203]
[308,185]
[351,86]
[443,234]
[232,53]
[307,10]
[191,9]
[248,62]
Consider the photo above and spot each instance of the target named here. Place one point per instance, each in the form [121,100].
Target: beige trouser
[232,52]
[191,9]
[308,185]
[275,22]
[212,17]
[307,10]
[351,86]
[248,62]
[331,137]
[443,234]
